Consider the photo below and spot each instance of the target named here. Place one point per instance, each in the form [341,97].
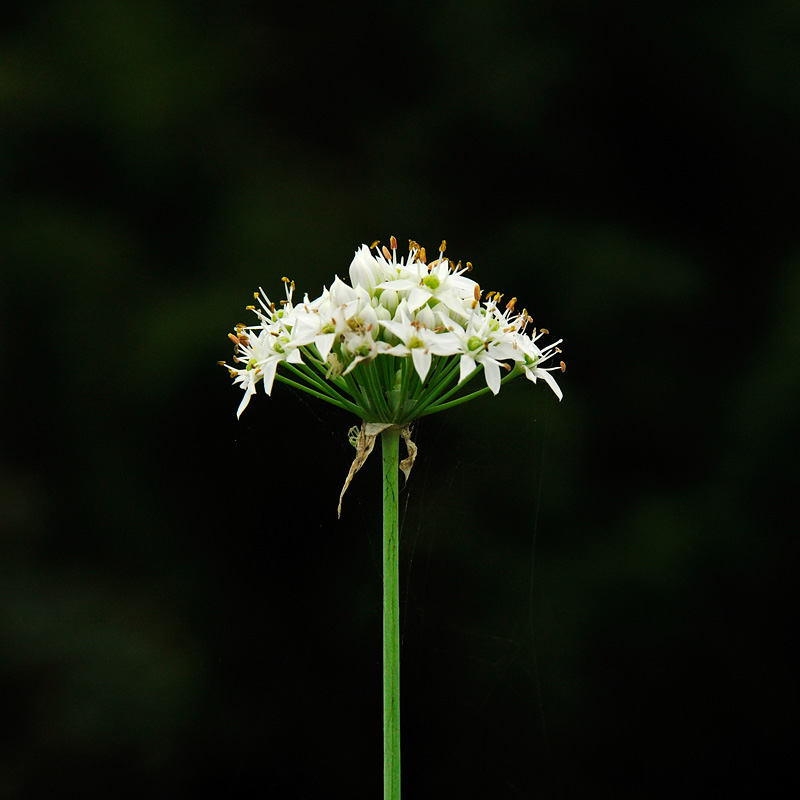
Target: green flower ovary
[431,281]
[474,343]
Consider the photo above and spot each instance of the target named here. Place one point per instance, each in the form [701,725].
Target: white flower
[261,355]
[440,282]
[534,358]
[419,339]
[483,342]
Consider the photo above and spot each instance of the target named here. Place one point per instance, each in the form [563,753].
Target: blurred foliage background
[596,593]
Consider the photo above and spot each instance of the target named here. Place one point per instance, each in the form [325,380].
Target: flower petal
[422,361]
[491,370]
[551,382]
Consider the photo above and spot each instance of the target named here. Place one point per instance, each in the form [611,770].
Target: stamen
[393,243]
[563,367]
[386,254]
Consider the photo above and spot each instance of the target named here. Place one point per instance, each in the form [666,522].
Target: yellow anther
[511,303]
[374,244]
[422,257]
[249,308]
[469,266]
[393,243]
[563,367]
[477,293]
[543,330]
[443,246]
[386,254]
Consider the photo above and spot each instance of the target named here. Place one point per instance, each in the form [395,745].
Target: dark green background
[596,593]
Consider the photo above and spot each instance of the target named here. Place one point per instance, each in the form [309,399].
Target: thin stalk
[440,406]
[390,442]
[316,381]
[375,389]
[326,397]
[438,380]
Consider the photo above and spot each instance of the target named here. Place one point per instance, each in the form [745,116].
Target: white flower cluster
[355,344]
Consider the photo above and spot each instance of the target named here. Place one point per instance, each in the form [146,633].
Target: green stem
[390,441]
